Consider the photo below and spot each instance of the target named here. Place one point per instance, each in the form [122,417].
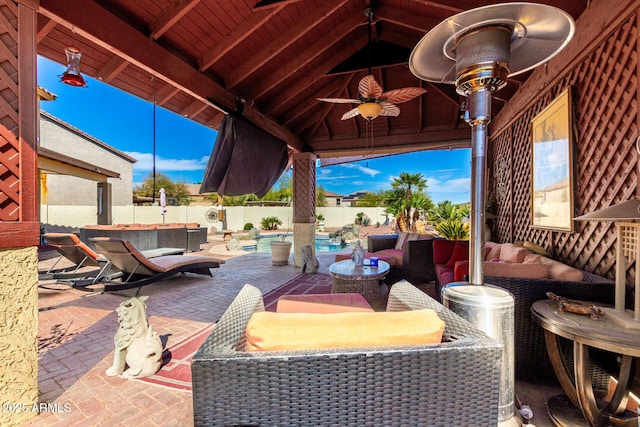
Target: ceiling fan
[372,101]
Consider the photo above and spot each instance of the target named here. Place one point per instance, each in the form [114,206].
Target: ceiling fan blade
[369,87]
[389,109]
[350,114]
[340,100]
[396,96]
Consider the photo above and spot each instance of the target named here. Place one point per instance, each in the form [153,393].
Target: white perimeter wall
[73,217]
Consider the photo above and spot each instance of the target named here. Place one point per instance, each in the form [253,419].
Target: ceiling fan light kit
[369,110]
[372,101]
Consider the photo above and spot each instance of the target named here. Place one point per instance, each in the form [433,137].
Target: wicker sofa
[531,358]
[414,262]
[455,382]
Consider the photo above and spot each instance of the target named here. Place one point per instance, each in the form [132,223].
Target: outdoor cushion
[513,253]
[460,253]
[323,303]
[402,239]
[391,254]
[494,251]
[504,269]
[267,331]
[561,271]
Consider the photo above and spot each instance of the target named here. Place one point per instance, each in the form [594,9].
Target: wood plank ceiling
[272,60]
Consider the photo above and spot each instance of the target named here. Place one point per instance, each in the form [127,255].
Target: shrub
[248,226]
[270,223]
[453,229]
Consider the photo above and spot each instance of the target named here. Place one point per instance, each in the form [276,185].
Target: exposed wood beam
[169,16]
[304,58]
[283,41]
[450,96]
[380,79]
[195,108]
[236,36]
[333,88]
[322,109]
[399,39]
[422,24]
[453,6]
[116,36]
[111,69]
[460,138]
[216,120]
[277,104]
[270,4]
[165,93]
[46,28]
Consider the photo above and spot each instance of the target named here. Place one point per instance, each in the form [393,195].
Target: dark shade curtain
[245,159]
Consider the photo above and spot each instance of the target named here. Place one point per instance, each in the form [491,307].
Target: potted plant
[320,222]
[280,249]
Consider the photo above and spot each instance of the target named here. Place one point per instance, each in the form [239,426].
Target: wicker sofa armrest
[380,242]
[452,383]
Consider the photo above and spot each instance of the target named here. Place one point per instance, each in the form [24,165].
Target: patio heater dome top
[518,37]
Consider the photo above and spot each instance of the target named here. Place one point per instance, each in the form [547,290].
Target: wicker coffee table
[365,280]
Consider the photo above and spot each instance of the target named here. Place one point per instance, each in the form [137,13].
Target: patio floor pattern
[76,331]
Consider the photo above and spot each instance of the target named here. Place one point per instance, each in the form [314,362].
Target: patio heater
[477,50]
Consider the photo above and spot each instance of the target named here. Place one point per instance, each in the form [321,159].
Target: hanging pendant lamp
[72,76]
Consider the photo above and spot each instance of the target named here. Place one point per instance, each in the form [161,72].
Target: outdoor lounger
[74,250]
[138,270]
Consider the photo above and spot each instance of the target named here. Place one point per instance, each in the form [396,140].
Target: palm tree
[421,205]
[406,184]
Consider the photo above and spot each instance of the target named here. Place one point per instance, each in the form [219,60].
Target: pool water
[323,244]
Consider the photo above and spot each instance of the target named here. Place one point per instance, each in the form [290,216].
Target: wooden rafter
[236,36]
[283,41]
[161,23]
[306,57]
[112,34]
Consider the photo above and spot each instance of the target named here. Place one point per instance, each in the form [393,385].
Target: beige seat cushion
[267,331]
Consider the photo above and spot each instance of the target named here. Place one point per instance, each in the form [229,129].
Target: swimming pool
[323,244]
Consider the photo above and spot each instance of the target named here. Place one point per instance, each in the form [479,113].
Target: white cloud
[454,185]
[363,169]
[145,163]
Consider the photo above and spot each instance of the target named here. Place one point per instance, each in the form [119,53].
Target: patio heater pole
[475,50]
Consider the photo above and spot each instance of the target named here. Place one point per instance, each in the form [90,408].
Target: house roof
[202,59]
[93,139]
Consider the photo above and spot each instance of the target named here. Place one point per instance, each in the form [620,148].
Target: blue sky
[183,146]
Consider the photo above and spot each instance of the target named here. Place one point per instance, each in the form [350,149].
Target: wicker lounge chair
[71,248]
[140,271]
[452,383]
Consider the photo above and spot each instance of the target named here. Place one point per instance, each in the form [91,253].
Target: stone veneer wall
[18,335]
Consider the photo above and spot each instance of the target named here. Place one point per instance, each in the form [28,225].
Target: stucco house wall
[61,137]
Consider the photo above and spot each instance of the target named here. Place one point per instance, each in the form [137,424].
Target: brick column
[304,203]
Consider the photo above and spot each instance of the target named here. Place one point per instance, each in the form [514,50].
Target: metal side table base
[563,413]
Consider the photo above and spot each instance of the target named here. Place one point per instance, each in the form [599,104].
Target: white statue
[310,263]
[357,256]
[137,345]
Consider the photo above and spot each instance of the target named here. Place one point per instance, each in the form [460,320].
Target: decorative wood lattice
[9,176]
[605,118]
[304,188]
[9,144]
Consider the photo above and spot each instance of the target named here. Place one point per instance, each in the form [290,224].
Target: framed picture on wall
[552,166]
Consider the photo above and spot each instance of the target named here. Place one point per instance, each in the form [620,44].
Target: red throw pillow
[460,253]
